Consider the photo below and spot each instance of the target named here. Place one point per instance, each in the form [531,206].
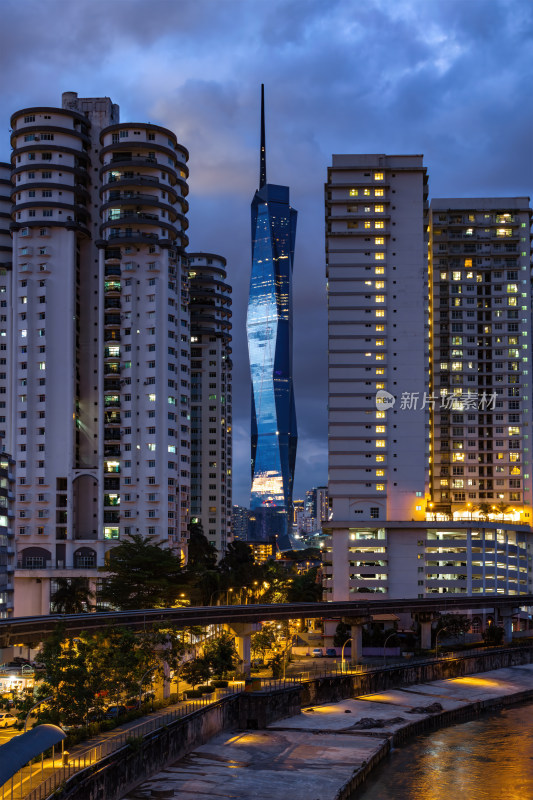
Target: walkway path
[313,755]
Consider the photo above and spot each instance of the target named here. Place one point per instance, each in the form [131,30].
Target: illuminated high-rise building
[269,330]
[429,386]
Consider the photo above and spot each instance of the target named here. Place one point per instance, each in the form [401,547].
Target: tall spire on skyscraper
[269,330]
[262,155]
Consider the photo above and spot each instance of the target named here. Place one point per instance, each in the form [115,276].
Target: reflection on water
[487,759]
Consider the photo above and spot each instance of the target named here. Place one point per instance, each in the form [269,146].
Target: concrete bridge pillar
[242,632]
[356,624]
[506,616]
[425,620]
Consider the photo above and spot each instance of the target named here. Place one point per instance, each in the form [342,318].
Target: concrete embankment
[327,750]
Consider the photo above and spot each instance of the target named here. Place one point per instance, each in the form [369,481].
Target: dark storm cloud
[448,78]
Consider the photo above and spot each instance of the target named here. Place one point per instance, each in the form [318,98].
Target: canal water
[490,758]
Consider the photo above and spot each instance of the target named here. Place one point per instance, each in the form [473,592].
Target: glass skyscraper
[269,330]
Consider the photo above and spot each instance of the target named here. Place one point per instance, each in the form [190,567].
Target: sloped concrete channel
[316,741]
[327,751]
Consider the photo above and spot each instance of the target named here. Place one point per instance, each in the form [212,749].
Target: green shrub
[192,693]
[219,684]
[205,689]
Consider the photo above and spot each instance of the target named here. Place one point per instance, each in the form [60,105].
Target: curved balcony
[124,164]
[143,200]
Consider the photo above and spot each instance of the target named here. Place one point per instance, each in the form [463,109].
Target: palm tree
[72,596]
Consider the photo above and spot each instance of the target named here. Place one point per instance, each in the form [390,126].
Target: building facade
[240,521]
[269,331]
[480,266]
[211,401]
[429,383]
[6,274]
[376,251]
[100,401]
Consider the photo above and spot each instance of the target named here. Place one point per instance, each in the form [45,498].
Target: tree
[202,555]
[196,671]
[70,680]
[142,574]
[342,634]
[72,596]
[262,641]
[305,588]
[493,635]
[456,624]
[221,655]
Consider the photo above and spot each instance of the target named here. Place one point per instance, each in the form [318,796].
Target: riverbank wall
[113,777]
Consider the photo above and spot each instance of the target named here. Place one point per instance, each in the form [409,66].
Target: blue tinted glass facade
[269,330]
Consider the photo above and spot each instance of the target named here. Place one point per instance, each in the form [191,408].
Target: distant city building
[211,406]
[262,551]
[317,504]
[269,330]
[420,510]
[240,522]
[99,409]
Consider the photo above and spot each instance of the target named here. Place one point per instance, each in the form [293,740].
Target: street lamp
[148,671]
[342,653]
[217,591]
[46,699]
[437,640]
[390,636]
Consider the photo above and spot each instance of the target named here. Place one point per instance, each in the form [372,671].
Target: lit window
[354,192]
[380,415]
[378,176]
[378,224]
[379,270]
[379,193]
[468,262]
[151,398]
[380,487]
[380,371]
[380,357]
[380,473]
[380,428]
[380,284]
[456,276]
[380,459]
[380,298]
[379,313]
[379,209]
[379,256]
[379,240]
[380,342]
[368,224]
[380,442]
[380,327]
[380,386]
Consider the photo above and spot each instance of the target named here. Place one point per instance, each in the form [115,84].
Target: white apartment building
[211,401]
[382,301]
[100,398]
[376,209]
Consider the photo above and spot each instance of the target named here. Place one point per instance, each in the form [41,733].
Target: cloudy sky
[451,79]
